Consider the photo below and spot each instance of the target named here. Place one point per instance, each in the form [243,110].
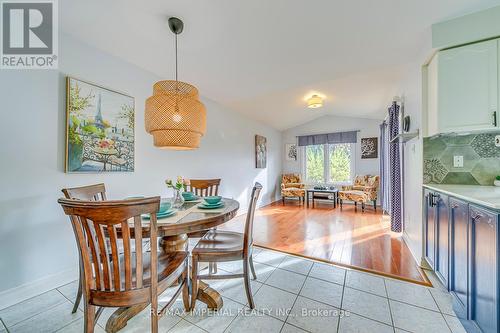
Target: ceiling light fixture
[174,116]
[314,102]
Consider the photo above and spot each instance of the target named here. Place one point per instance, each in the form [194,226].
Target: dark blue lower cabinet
[459,244]
[483,269]
[442,238]
[430,228]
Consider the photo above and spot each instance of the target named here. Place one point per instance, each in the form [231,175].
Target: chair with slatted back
[204,187]
[95,192]
[224,246]
[130,278]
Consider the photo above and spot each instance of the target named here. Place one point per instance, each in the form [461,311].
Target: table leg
[307,199]
[334,200]
[207,295]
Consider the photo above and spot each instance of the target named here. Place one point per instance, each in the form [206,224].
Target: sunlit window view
[315,163]
[329,163]
[340,162]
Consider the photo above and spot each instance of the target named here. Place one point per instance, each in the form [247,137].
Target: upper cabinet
[463,89]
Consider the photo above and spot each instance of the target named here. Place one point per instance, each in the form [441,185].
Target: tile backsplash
[481,159]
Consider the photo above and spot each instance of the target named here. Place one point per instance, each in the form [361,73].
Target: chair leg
[212,268]
[78,293]
[250,260]
[283,199]
[194,281]
[185,289]
[89,318]
[375,204]
[154,319]
[248,288]
[362,206]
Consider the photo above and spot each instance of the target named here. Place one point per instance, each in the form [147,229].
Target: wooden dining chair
[204,187]
[95,192]
[223,246]
[130,278]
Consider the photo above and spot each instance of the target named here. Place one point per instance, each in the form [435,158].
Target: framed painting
[291,151]
[369,147]
[260,152]
[99,129]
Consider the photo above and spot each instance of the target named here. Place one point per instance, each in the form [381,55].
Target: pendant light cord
[176,57]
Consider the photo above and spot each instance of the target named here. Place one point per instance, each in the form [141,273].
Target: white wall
[411,91]
[36,240]
[331,124]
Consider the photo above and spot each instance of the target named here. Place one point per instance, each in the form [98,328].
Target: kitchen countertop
[488,196]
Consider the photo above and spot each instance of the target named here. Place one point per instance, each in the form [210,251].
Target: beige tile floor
[291,294]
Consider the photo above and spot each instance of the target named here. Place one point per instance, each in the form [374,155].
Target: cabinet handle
[495,118]
[431,200]
[477,216]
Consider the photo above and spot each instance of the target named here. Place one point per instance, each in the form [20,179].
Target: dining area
[132,250]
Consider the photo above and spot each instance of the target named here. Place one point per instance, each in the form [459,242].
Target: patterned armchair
[292,186]
[367,184]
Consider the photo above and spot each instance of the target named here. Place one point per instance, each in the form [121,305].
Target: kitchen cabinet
[462,248]
[468,87]
[432,97]
[483,271]
[437,234]
[430,228]
[459,240]
[442,237]
[462,89]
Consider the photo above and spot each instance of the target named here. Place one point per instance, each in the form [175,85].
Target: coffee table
[311,192]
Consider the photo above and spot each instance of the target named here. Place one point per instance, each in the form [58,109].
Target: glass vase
[178,200]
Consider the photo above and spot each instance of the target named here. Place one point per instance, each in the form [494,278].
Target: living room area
[332,207]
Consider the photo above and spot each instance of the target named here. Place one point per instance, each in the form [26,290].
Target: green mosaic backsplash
[481,159]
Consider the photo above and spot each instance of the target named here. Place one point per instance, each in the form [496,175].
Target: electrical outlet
[458,161]
[497,140]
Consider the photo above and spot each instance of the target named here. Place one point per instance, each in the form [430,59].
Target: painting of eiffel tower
[99,129]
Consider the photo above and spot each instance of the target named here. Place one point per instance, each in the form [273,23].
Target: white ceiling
[263,57]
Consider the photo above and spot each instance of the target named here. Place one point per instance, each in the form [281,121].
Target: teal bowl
[164,206]
[188,195]
[213,199]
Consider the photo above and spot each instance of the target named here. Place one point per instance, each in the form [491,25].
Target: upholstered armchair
[367,184]
[292,186]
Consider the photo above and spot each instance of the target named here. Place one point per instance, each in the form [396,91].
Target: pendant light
[174,115]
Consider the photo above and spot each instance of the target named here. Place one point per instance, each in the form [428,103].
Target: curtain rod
[328,133]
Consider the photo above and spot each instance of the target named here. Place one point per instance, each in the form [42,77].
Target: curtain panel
[396,197]
[385,176]
[331,138]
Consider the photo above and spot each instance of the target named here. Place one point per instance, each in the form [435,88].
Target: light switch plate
[458,161]
[497,140]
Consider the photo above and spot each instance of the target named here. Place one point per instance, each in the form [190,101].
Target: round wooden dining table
[174,237]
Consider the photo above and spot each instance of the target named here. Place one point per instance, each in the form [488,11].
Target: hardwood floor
[344,237]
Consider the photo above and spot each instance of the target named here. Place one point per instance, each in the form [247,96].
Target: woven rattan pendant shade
[175,116]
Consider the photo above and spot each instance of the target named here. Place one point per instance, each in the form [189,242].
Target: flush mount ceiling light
[174,116]
[314,102]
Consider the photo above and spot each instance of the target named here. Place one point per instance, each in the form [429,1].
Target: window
[340,163]
[329,163]
[315,163]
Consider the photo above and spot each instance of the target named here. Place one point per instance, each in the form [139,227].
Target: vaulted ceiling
[263,57]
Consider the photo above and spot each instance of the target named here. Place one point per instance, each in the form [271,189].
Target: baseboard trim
[21,293]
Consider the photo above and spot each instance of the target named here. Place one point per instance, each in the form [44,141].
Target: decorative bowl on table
[213,200]
[189,196]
